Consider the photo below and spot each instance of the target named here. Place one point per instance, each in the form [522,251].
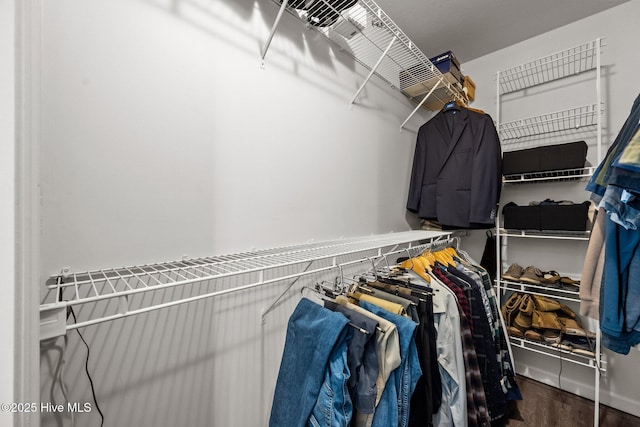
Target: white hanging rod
[121,283]
[380,257]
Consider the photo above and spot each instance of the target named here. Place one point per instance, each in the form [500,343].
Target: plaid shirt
[477,412]
[463,301]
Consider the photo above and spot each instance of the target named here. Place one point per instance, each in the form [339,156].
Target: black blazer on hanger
[457,170]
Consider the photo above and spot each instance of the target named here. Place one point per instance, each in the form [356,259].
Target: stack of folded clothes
[535,276]
[543,319]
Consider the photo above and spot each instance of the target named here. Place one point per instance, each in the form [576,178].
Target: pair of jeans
[362,359]
[620,299]
[393,408]
[333,406]
[316,341]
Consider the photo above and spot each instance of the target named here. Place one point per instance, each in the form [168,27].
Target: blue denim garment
[362,359]
[621,344]
[622,206]
[620,311]
[629,159]
[393,408]
[312,332]
[333,407]
[601,176]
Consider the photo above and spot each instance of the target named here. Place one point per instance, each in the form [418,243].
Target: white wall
[620,87]
[161,137]
[7,203]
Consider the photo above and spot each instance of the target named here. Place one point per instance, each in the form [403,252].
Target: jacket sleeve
[417,174]
[486,179]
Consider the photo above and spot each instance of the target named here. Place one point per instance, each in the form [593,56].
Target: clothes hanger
[317,290]
[451,105]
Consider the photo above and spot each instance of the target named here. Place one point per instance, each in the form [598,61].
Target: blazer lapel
[460,123]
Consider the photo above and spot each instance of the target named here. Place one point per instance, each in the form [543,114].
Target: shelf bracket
[373,70]
[53,321]
[263,53]
[282,294]
[420,104]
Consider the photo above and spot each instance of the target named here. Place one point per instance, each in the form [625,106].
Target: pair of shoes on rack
[534,276]
[576,344]
[531,275]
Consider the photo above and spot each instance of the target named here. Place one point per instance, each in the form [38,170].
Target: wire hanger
[318,293]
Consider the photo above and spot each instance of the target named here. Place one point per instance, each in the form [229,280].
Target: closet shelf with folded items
[370,342]
[363,30]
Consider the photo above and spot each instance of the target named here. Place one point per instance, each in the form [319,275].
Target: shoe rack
[543,76]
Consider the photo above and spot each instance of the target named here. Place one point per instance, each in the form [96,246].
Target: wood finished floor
[543,405]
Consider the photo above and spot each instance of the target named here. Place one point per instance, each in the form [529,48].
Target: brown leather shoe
[532,275]
[513,273]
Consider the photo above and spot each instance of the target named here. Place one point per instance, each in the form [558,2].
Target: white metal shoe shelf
[114,287]
[536,131]
[557,121]
[363,30]
[550,176]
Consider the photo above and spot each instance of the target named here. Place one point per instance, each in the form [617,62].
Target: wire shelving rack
[114,287]
[568,62]
[362,29]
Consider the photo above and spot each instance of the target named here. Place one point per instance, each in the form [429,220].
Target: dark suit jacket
[457,170]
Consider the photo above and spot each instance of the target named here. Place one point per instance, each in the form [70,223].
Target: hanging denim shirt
[312,333]
[393,409]
[620,311]
[601,176]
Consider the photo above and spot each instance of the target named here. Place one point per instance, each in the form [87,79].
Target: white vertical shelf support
[373,69]
[265,49]
[420,104]
[598,43]
[559,65]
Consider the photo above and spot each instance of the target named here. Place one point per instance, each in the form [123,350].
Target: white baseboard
[582,388]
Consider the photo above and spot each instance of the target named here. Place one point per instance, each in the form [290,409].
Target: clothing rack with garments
[366,354]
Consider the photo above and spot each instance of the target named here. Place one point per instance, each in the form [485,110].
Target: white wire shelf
[556,66]
[114,286]
[362,29]
[550,234]
[559,121]
[550,176]
[558,353]
[557,293]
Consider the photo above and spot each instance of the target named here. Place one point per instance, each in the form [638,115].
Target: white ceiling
[473,28]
